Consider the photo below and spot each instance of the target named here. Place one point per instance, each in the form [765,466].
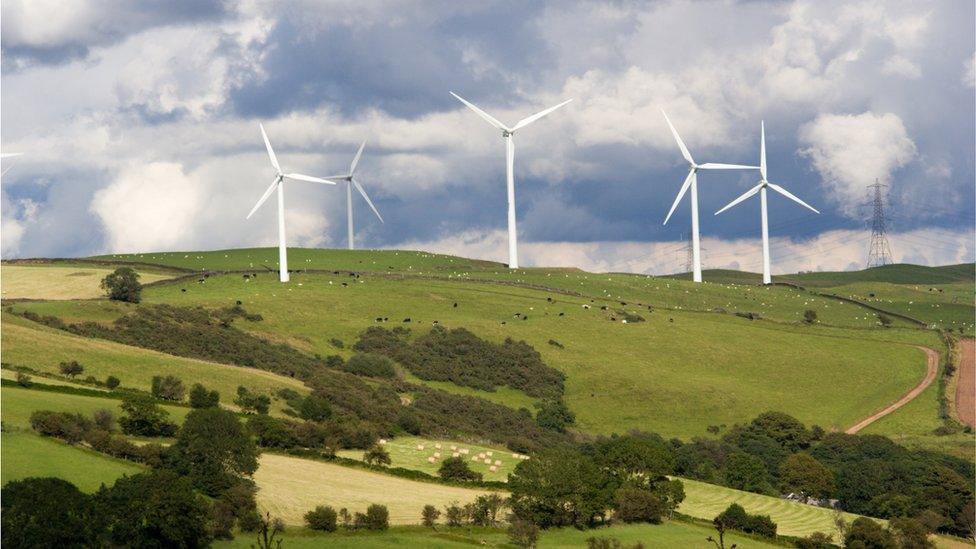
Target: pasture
[18,404]
[289,487]
[28,344]
[405,452]
[24,454]
[57,281]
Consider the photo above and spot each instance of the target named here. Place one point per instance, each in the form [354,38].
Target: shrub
[377,517]
[112,382]
[735,517]
[48,512]
[377,455]
[866,533]
[370,365]
[809,316]
[457,469]
[104,419]
[67,426]
[322,518]
[633,504]
[314,408]
[154,509]
[168,388]
[337,343]
[143,417]
[454,514]
[523,533]
[816,540]
[554,415]
[123,285]
[429,516]
[24,380]
[200,397]
[252,403]
[271,432]
[884,319]
[71,369]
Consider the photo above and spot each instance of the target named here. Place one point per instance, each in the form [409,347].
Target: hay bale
[382,441]
[455,454]
[420,447]
[515,456]
[438,446]
[490,453]
[454,447]
[498,462]
[431,459]
[493,468]
[487,461]
[437,454]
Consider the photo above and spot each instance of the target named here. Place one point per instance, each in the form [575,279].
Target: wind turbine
[507,133]
[350,183]
[279,184]
[761,189]
[7,155]
[691,181]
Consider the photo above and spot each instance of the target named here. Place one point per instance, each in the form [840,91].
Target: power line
[879,254]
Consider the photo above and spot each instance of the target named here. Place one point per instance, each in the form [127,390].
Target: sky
[139,126]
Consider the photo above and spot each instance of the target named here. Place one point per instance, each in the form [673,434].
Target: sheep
[438,445]
[454,447]
[489,453]
[585,306]
[498,462]
[420,447]
[515,456]
[481,455]
[487,461]
[493,468]
[437,455]
[382,441]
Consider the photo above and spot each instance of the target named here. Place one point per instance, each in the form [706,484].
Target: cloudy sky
[139,121]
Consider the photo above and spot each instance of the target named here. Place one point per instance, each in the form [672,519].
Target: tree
[24,380]
[554,415]
[816,540]
[268,531]
[168,388]
[252,403]
[103,419]
[523,533]
[746,472]
[560,487]
[802,473]
[485,509]
[455,468]
[429,516]
[155,509]
[143,417]
[720,528]
[377,455]
[314,408]
[377,517]
[112,382]
[200,397]
[47,512]
[911,534]
[71,369]
[636,504]
[322,518]
[785,429]
[809,316]
[454,515]
[213,450]
[123,285]
[865,533]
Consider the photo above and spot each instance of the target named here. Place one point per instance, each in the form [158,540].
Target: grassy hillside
[18,404]
[902,273]
[28,344]
[667,535]
[25,454]
[58,281]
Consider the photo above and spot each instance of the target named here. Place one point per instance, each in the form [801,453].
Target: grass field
[947,306]
[404,453]
[28,455]
[668,535]
[28,344]
[59,281]
[289,487]
[18,404]
[702,368]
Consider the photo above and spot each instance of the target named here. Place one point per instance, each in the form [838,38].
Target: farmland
[40,281]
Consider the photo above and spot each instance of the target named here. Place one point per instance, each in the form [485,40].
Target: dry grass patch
[59,282]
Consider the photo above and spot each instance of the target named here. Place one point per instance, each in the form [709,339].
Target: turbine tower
[691,181]
[351,182]
[880,253]
[278,183]
[507,133]
[761,189]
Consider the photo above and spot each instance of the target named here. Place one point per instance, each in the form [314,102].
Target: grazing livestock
[406,319]
[455,305]
[183,290]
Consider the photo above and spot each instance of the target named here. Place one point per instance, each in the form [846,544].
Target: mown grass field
[289,487]
[404,453]
[24,454]
[42,281]
[28,344]
[676,373]
[668,535]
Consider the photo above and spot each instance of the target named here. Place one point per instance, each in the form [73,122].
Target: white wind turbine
[279,184]
[350,183]
[7,155]
[691,181]
[761,189]
[507,133]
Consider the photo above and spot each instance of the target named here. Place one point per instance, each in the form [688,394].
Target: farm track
[933,368]
[966,383]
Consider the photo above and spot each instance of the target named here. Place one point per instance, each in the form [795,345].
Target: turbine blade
[526,121]
[267,193]
[762,149]
[267,143]
[789,195]
[681,144]
[362,191]
[750,193]
[681,193]
[9,155]
[303,177]
[718,166]
[355,161]
[4,172]
[491,120]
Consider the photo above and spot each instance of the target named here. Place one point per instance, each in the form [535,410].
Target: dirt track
[966,383]
[933,369]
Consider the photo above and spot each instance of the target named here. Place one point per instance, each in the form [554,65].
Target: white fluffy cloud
[851,151]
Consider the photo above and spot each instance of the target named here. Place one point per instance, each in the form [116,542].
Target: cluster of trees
[736,518]
[867,474]
[194,332]
[96,431]
[623,476]
[485,510]
[324,518]
[461,357]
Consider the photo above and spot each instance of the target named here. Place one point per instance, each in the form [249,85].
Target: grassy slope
[944,305]
[404,453]
[289,487]
[668,535]
[701,368]
[18,404]
[28,344]
[59,281]
[29,455]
